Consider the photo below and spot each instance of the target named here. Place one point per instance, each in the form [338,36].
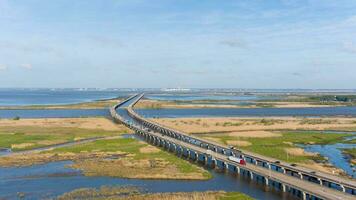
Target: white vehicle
[237,160]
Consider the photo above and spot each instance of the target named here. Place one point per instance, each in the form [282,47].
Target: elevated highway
[299,181]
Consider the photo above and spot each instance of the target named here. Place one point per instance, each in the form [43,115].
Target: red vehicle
[237,160]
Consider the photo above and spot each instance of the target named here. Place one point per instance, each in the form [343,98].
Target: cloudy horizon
[173,43]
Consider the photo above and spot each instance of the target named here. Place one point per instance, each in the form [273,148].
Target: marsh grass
[16,135]
[275,147]
[132,147]
[132,193]
[318,121]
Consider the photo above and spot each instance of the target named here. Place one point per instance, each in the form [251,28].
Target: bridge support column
[284,170]
[214,162]
[181,151]
[238,170]
[266,181]
[251,175]
[268,166]
[320,181]
[283,187]
[343,188]
[300,175]
[205,160]
[304,195]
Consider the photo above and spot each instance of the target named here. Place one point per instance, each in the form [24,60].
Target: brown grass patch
[254,134]
[298,152]
[85,123]
[327,168]
[223,124]
[238,143]
[22,146]
[130,168]
[149,149]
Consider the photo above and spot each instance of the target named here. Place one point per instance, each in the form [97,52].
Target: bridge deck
[302,185]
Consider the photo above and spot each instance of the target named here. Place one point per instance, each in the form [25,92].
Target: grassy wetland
[27,134]
[132,193]
[352,153]
[95,158]
[278,138]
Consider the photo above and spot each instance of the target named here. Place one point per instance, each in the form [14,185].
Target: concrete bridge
[299,181]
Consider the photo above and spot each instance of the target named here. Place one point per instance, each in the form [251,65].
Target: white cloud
[26,66]
[3,67]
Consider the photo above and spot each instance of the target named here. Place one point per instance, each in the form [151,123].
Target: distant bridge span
[299,181]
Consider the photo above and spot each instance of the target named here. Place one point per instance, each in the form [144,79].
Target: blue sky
[178,43]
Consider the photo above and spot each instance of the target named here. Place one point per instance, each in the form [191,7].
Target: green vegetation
[225,124]
[351,152]
[101,193]
[318,121]
[235,196]
[132,146]
[276,146]
[353,141]
[30,137]
[16,118]
[335,98]
[132,193]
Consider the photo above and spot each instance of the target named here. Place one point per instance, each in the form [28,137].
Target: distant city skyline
[308,44]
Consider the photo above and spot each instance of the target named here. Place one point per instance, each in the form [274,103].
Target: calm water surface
[53,179]
[333,152]
[54,113]
[25,97]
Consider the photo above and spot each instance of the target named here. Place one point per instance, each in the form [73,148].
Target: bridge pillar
[226,166]
[238,170]
[180,152]
[266,181]
[284,189]
[251,175]
[269,166]
[283,169]
[343,188]
[214,162]
[304,195]
[300,175]
[320,181]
